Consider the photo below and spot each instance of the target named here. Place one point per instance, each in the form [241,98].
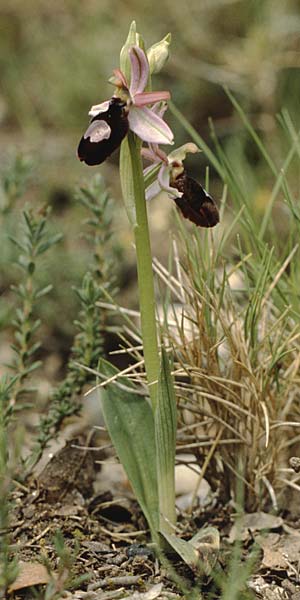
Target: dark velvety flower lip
[195,203]
[104,134]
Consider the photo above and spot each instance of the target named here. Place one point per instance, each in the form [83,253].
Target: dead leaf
[68,510]
[151,594]
[29,574]
[279,551]
[272,557]
[254,522]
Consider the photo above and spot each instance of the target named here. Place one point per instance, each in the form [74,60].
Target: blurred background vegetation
[55,61]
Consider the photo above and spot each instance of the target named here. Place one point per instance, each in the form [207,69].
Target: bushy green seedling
[65,578]
[92,322]
[34,243]
[14,181]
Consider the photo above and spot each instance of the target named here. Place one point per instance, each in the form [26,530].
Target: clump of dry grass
[237,370]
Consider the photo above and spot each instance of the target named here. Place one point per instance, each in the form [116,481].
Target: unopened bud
[158,54]
[132,40]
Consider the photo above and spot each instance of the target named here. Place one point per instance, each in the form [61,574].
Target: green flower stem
[145,272]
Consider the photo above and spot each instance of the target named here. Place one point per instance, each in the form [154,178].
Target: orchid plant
[144,434]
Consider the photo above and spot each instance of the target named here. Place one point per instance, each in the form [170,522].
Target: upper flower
[148,125]
[127,109]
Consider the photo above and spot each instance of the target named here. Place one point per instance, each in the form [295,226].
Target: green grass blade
[252,132]
[196,138]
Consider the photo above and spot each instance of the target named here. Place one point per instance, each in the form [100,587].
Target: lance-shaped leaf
[129,420]
[165,432]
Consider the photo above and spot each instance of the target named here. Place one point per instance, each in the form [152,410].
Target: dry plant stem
[203,470]
[145,273]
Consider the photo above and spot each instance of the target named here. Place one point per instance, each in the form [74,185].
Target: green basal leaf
[165,432]
[129,420]
[200,553]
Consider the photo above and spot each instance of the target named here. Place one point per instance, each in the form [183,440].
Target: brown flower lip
[104,134]
[195,203]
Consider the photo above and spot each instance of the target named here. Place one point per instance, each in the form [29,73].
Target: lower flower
[190,197]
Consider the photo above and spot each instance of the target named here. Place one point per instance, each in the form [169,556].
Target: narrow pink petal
[159,108]
[121,77]
[150,97]
[150,155]
[149,126]
[154,154]
[160,153]
[139,70]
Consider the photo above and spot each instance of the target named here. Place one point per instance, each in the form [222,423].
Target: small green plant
[14,180]
[91,324]
[85,353]
[36,241]
[64,578]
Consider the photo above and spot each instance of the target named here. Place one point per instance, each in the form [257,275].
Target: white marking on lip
[98,131]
